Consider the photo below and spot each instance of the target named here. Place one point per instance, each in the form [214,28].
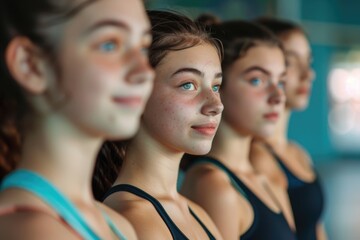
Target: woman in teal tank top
[72,74]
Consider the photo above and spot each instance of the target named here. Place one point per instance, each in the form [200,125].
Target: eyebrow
[293,53]
[195,72]
[264,71]
[112,23]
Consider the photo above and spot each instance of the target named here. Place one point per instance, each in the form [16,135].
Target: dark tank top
[267,225]
[307,201]
[176,233]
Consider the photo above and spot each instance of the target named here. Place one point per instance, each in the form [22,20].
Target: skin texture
[185,95]
[100,55]
[300,76]
[254,87]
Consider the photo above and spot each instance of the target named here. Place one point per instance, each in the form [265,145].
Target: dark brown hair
[239,36]
[171,31]
[279,27]
[29,19]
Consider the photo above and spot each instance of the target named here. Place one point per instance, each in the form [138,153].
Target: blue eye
[188,86]
[216,88]
[256,81]
[281,84]
[108,46]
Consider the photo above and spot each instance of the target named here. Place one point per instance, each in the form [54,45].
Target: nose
[277,95]
[308,75]
[141,71]
[212,104]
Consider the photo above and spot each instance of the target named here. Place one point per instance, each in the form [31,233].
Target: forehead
[203,57]
[269,57]
[297,42]
[131,13]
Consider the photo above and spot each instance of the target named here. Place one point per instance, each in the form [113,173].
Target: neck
[279,138]
[232,148]
[63,154]
[151,166]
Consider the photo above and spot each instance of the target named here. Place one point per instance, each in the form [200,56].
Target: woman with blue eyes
[282,160]
[139,178]
[242,203]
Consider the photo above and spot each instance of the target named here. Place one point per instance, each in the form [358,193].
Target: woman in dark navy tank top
[242,203]
[68,70]
[283,161]
[182,115]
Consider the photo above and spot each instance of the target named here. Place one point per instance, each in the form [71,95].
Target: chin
[299,105]
[199,149]
[124,132]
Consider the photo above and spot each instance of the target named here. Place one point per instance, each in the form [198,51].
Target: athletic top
[67,211]
[307,201]
[176,233]
[267,224]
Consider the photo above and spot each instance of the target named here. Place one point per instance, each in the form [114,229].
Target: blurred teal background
[330,128]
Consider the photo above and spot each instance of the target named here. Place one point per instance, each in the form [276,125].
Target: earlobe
[25,64]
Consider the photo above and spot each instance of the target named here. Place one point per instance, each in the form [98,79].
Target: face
[253,94]
[105,75]
[184,109]
[299,73]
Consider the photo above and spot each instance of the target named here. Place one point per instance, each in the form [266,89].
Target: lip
[272,116]
[207,129]
[130,101]
[303,91]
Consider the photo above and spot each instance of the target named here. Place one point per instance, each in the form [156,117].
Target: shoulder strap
[39,186]
[235,181]
[174,230]
[211,237]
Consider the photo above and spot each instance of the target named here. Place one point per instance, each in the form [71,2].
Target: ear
[26,65]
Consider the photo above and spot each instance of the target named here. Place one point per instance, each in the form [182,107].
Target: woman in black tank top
[286,163]
[182,115]
[241,202]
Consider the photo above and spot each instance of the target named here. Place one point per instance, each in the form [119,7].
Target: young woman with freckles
[73,73]
[286,163]
[241,202]
[182,115]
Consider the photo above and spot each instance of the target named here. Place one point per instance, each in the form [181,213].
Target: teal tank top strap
[218,164]
[39,186]
[114,229]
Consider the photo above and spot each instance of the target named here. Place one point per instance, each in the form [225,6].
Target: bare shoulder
[141,214]
[34,225]
[212,183]
[120,221]
[301,154]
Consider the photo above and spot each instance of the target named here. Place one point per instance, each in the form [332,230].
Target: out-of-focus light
[338,84]
[342,119]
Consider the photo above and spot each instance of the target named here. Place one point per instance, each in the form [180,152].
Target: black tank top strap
[238,185]
[293,180]
[211,237]
[176,233]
